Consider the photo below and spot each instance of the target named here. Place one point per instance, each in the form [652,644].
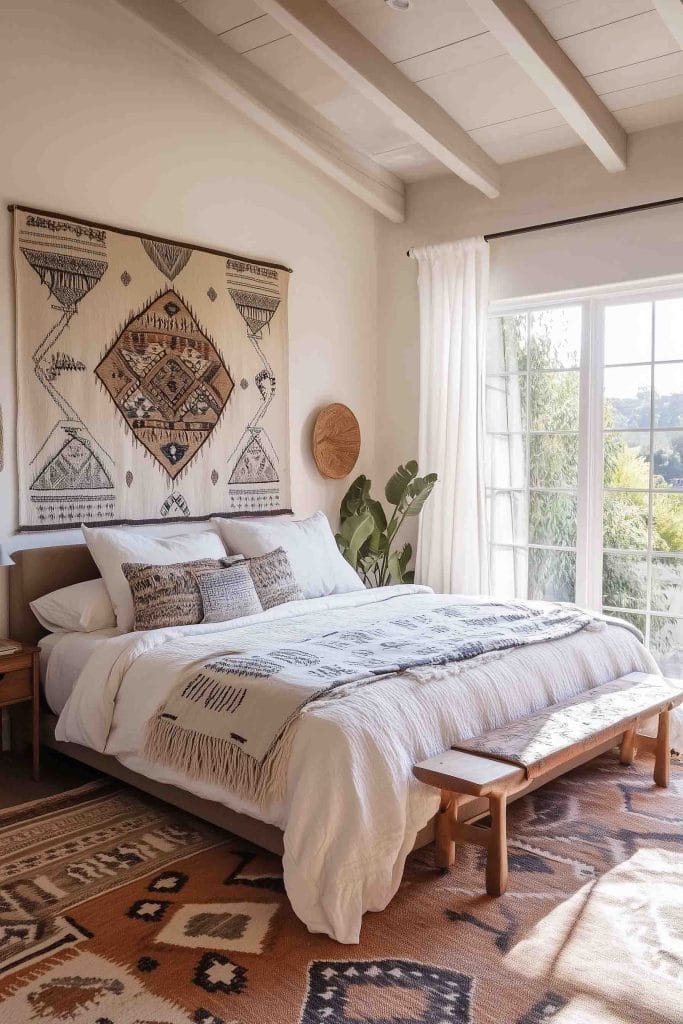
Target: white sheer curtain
[452,554]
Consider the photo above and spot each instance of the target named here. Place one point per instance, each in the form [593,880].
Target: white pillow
[80,608]
[110,548]
[319,566]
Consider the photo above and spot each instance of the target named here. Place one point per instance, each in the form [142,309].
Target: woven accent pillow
[166,595]
[274,578]
[228,593]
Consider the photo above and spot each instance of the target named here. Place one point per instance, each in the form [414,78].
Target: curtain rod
[582,219]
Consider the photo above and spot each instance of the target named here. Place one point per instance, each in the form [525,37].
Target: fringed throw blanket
[230,721]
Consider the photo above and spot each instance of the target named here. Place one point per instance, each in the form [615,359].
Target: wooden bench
[520,756]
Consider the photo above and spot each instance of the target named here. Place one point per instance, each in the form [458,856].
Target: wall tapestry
[152,377]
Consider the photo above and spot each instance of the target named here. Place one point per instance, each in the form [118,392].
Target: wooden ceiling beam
[671,12]
[332,38]
[531,45]
[276,109]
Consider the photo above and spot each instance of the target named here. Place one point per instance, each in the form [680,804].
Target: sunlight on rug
[116,909]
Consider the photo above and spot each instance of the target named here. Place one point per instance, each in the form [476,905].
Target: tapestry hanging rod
[658,204]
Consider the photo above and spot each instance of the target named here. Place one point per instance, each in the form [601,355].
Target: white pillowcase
[319,566]
[80,608]
[111,547]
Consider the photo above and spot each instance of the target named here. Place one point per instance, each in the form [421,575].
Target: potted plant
[366,537]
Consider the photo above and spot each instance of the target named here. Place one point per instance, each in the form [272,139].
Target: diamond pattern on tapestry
[167,380]
[128,348]
[241,927]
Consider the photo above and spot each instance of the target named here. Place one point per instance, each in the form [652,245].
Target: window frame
[590,490]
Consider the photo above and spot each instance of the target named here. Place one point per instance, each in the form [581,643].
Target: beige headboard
[38,571]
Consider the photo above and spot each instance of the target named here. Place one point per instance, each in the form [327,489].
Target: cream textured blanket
[229,721]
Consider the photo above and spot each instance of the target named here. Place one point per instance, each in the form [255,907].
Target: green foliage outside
[553,462]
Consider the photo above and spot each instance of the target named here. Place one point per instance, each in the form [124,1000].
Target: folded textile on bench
[229,721]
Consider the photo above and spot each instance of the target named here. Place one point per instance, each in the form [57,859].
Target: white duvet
[352,808]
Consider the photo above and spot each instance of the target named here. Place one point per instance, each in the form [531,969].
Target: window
[585,459]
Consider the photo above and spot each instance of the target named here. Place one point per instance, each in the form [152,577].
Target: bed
[352,810]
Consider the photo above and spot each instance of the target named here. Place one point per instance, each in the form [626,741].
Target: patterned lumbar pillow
[274,579]
[228,593]
[166,595]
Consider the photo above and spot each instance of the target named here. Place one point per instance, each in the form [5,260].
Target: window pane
[507,461]
[552,519]
[506,404]
[552,575]
[624,580]
[627,396]
[509,518]
[667,584]
[669,329]
[668,459]
[669,395]
[509,567]
[625,520]
[627,459]
[507,342]
[554,460]
[628,333]
[554,401]
[667,525]
[635,618]
[666,643]
[555,338]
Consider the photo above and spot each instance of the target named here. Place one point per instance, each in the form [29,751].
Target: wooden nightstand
[20,683]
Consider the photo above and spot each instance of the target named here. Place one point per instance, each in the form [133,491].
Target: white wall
[564,184]
[98,120]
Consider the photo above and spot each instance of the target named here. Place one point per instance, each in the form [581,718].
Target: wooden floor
[57,774]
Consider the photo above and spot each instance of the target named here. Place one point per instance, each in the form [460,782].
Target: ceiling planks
[623,48]
[531,45]
[672,13]
[336,41]
[265,101]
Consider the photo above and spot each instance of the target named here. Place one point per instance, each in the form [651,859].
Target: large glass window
[585,460]
[533,424]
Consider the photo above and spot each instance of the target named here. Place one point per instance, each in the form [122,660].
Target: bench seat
[502,762]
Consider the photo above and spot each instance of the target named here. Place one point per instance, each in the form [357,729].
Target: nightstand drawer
[17,685]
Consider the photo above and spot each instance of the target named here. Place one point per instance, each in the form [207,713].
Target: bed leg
[627,751]
[444,849]
[497,856]
[663,751]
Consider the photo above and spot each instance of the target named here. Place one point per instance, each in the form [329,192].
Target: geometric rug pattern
[116,909]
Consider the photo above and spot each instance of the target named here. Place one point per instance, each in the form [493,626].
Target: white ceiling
[622,47]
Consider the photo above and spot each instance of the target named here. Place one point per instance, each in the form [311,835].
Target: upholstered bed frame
[39,571]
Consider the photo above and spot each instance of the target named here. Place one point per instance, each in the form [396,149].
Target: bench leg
[663,750]
[444,848]
[627,751]
[497,857]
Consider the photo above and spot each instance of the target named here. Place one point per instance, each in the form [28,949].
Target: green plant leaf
[418,492]
[399,481]
[355,531]
[354,500]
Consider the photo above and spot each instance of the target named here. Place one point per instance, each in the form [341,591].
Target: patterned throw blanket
[230,721]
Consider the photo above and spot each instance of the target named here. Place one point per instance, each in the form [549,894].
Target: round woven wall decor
[336,441]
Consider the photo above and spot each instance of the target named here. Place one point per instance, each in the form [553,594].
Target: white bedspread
[352,807]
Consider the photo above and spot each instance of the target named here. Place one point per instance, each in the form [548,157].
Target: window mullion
[589,524]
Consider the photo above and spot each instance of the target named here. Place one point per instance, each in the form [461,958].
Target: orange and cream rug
[116,909]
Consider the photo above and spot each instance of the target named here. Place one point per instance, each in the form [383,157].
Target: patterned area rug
[115,909]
